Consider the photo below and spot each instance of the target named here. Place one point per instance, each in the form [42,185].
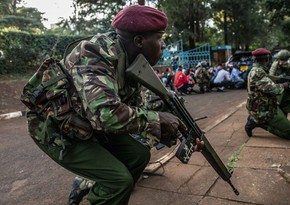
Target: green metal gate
[174,55]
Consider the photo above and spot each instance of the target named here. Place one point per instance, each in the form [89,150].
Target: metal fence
[173,55]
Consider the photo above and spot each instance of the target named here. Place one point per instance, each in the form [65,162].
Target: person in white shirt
[222,79]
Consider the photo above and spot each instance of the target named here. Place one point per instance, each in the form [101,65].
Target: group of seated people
[207,79]
[226,78]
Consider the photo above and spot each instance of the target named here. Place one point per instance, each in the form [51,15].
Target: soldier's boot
[251,124]
[207,89]
[201,89]
[77,193]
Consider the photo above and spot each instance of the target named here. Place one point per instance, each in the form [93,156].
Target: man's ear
[138,41]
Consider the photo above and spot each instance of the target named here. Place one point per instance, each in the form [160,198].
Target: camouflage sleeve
[266,85]
[206,74]
[153,102]
[96,84]
[273,68]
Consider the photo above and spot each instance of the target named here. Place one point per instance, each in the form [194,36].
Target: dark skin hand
[199,145]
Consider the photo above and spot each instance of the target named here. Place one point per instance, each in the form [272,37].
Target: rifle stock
[141,71]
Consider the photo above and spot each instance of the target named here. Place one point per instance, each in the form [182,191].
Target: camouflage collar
[126,90]
[122,64]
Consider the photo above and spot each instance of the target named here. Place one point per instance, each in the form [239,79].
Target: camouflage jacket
[111,102]
[262,101]
[278,70]
[202,75]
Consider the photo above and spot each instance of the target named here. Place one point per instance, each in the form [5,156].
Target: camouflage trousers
[285,102]
[280,125]
[114,166]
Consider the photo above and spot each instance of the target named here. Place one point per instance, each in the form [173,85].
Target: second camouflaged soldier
[281,67]
[264,97]
[202,77]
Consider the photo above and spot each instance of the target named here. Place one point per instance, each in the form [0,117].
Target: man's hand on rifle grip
[199,145]
[171,127]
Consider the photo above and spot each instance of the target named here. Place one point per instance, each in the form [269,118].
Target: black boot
[208,90]
[201,89]
[77,194]
[250,125]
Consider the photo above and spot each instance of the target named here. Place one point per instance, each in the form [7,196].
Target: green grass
[235,157]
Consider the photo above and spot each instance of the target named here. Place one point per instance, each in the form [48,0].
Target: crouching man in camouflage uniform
[264,99]
[202,77]
[281,67]
[112,158]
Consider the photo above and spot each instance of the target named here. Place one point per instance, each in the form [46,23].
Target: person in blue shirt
[235,76]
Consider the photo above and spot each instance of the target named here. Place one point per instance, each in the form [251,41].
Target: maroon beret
[138,19]
[260,52]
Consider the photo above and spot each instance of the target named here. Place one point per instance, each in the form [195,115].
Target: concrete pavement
[261,170]
[261,167]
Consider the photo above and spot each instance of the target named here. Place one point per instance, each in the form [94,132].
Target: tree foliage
[24,52]
[22,18]
[94,16]
[243,24]
[9,7]
[279,18]
[241,21]
[188,20]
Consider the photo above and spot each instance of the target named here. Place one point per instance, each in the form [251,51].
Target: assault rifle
[142,72]
[279,79]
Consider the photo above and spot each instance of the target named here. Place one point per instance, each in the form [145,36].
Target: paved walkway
[261,172]
[258,173]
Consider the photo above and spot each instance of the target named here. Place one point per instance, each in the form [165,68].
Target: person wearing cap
[264,95]
[281,64]
[281,67]
[112,159]
[202,77]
